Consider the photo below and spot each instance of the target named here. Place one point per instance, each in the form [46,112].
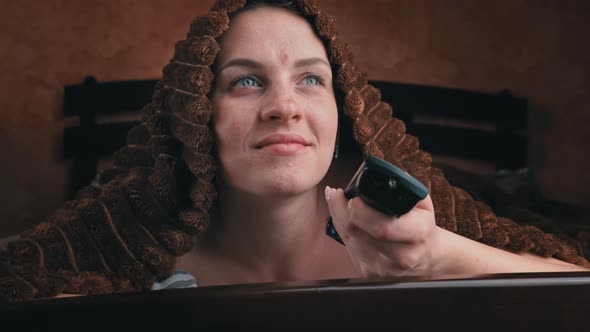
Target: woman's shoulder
[178,279]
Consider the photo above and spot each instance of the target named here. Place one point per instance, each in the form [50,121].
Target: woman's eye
[312,80]
[246,82]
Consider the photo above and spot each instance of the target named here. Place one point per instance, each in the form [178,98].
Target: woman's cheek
[327,122]
[227,125]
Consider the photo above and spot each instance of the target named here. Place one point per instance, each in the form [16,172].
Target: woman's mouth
[283,149]
[283,144]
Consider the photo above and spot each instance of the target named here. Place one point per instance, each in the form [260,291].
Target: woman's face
[275,114]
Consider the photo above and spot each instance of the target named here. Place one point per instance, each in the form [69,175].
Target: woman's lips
[283,144]
[284,149]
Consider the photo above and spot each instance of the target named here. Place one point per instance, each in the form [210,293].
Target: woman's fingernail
[328,193]
[349,205]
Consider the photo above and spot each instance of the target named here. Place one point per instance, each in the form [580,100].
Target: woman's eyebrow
[244,62]
[311,61]
[241,62]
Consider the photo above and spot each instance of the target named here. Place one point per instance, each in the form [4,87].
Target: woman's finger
[382,258]
[337,203]
[408,228]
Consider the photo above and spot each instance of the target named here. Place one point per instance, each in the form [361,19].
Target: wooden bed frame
[509,302]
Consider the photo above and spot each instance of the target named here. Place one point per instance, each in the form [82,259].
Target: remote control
[384,187]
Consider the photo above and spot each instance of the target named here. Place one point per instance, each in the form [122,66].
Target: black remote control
[384,187]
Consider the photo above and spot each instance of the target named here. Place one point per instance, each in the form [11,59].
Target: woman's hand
[381,245]
[412,244]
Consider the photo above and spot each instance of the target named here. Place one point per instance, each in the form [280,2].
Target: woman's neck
[255,239]
[272,237]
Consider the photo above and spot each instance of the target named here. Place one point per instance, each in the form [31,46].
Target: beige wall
[535,48]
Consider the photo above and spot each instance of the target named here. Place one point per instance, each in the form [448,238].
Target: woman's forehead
[270,34]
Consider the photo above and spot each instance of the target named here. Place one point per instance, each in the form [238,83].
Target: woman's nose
[281,106]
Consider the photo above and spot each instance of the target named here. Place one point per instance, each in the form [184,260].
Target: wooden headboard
[463,124]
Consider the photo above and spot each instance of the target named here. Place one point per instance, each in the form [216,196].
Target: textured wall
[45,45]
[535,48]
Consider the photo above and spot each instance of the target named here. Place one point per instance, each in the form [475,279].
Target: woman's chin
[290,180]
[285,188]
[283,185]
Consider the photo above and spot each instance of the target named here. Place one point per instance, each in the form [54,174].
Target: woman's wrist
[441,260]
[458,255]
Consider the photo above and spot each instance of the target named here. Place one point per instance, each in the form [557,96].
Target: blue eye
[246,82]
[312,80]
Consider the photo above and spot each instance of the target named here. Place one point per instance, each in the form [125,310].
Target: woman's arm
[458,254]
[413,244]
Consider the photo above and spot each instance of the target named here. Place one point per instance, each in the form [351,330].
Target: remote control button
[392,184]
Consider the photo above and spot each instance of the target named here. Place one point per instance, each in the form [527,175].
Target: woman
[284,93]
[275,119]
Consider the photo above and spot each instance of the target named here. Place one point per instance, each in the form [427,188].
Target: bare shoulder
[207,268]
[210,269]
